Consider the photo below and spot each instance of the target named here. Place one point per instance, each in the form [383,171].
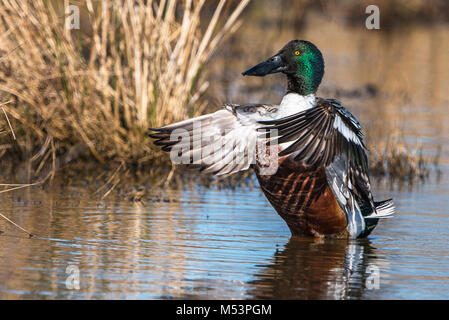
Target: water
[214,244]
[204,243]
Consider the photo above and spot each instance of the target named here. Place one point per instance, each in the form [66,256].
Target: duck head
[300,61]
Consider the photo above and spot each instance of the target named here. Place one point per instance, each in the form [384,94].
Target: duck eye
[297,53]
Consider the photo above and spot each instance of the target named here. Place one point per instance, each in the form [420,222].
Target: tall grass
[133,64]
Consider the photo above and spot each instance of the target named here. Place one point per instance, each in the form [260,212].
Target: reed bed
[399,161]
[91,93]
[94,91]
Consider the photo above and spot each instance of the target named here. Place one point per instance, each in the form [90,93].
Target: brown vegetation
[97,89]
[90,94]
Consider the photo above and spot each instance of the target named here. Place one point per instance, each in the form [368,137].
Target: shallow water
[212,244]
[205,243]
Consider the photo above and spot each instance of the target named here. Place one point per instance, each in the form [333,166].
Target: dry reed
[132,65]
[399,160]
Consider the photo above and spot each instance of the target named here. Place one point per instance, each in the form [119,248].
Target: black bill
[271,65]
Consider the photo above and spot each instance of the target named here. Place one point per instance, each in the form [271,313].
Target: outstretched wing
[328,136]
[223,142]
[319,134]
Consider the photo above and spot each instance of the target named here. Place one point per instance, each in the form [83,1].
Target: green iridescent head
[300,60]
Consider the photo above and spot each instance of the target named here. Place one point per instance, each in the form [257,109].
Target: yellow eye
[297,53]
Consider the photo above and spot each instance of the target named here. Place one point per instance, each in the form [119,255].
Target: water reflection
[317,269]
[216,244]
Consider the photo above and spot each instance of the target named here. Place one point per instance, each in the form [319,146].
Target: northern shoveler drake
[320,185]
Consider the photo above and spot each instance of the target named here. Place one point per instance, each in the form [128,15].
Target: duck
[308,152]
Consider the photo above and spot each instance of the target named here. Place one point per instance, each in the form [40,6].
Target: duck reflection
[317,269]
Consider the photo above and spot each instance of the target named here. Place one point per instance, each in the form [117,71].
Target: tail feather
[384,209]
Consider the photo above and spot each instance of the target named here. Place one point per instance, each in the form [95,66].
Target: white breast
[293,103]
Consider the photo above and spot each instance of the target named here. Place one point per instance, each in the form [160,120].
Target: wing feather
[223,142]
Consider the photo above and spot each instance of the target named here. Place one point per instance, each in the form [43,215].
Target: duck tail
[384,209]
